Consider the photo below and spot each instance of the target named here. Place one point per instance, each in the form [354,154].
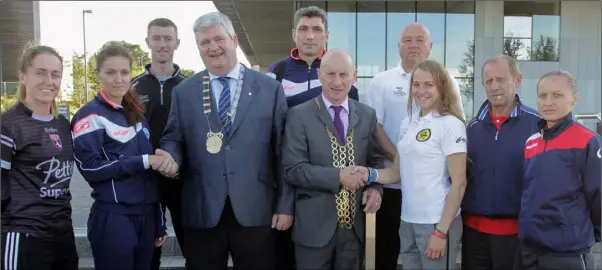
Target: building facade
[542,35]
[19,26]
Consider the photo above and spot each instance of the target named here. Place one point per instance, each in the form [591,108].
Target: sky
[61,27]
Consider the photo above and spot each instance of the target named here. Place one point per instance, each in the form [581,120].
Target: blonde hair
[29,54]
[448,100]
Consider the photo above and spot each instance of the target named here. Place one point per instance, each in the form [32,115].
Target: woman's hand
[160,241]
[436,247]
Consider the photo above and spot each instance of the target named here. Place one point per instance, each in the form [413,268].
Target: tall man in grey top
[325,138]
[225,131]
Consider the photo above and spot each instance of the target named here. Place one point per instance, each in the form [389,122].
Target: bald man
[325,138]
[388,95]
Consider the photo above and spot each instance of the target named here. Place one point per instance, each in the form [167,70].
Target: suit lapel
[248,91]
[324,116]
[353,119]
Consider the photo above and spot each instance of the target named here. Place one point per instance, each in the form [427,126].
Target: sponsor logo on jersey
[56,172]
[56,140]
[81,125]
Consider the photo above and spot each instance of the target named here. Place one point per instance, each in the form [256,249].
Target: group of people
[278,170]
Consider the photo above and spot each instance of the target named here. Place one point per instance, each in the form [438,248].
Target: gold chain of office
[343,156]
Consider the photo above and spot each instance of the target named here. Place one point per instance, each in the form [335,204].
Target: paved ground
[81,202]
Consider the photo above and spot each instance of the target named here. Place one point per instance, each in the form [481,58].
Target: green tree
[467,68]
[139,58]
[545,49]
[512,47]
[7,101]
[187,72]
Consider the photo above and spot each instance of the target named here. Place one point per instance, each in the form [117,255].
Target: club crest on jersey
[424,135]
[56,140]
[145,130]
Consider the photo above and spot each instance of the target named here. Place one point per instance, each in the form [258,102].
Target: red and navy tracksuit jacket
[560,207]
[299,80]
[112,156]
[494,184]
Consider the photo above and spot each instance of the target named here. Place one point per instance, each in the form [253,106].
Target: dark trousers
[121,241]
[21,251]
[285,250]
[487,251]
[387,230]
[527,259]
[250,247]
[344,251]
[171,198]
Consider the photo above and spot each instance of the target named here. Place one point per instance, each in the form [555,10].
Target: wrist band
[438,234]
[372,177]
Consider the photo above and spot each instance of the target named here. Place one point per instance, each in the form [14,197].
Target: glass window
[362,85]
[399,14]
[342,26]
[432,14]
[459,38]
[532,30]
[320,4]
[371,36]
[467,91]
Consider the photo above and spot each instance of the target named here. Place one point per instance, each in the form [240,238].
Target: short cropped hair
[162,22]
[310,12]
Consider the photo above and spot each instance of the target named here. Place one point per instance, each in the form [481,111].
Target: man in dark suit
[225,129]
[325,138]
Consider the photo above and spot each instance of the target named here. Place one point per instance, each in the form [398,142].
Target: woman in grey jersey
[37,164]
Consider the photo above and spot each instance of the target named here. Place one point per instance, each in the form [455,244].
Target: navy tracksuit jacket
[299,80]
[112,156]
[560,206]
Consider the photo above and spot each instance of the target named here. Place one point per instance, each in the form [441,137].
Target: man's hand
[371,200]
[362,171]
[160,241]
[349,180]
[282,222]
[165,164]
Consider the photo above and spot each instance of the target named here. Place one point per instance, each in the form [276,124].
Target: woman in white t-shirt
[431,164]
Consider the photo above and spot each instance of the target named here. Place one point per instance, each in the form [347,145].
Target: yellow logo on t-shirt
[423,135]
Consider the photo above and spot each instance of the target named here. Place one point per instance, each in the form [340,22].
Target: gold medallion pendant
[214,142]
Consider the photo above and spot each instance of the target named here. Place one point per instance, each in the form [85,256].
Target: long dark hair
[132,107]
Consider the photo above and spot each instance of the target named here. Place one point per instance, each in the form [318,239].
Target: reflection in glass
[467,90]
[341,26]
[362,85]
[532,30]
[546,36]
[459,39]
[371,38]
[432,14]
[399,14]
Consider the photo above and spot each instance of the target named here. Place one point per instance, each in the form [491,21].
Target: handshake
[163,163]
[354,177]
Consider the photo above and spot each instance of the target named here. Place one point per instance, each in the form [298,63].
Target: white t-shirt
[388,95]
[425,142]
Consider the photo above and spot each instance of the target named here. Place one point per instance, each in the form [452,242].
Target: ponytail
[132,108]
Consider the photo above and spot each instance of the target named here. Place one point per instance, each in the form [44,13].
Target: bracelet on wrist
[372,176]
[439,234]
